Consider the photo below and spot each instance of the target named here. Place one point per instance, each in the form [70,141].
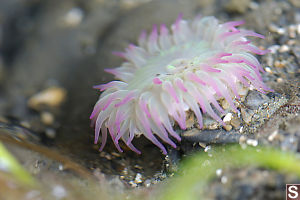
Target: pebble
[190,120]
[147,183]
[105,155]
[208,148]
[74,17]
[284,48]
[60,167]
[50,133]
[210,124]
[47,118]
[133,184]
[219,172]
[227,118]
[59,192]
[237,6]
[279,80]
[224,179]
[115,154]
[268,69]
[138,178]
[273,135]
[25,124]
[52,97]
[227,127]
[225,105]
[235,122]
[252,142]
[279,64]
[276,29]
[247,115]
[292,31]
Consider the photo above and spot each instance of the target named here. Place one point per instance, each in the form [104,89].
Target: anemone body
[187,68]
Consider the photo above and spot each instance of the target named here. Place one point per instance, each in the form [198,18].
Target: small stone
[247,115]
[133,184]
[201,144]
[272,28]
[210,124]
[242,139]
[219,172]
[225,105]
[284,48]
[190,120]
[52,96]
[268,69]
[237,6]
[147,183]
[276,29]
[125,171]
[207,148]
[252,142]
[227,118]
[291,42]
[281,31]
[47,118]
[227,127]
[138,167]
[274,48]
[138,178]
[50,133]
[273,135]
[115,154]
[105,155]
[298,29]
[59,192]
[279,80]
[292,31]
[224,179]
[60,167]
[235,122]
[25,124]
[279,64]
[241,129]
[73,17]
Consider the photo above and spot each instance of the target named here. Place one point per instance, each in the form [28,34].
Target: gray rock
[254,99]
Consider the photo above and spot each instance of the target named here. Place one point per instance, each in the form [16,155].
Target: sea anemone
[167,74]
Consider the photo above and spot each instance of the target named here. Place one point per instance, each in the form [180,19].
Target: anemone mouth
[170,73]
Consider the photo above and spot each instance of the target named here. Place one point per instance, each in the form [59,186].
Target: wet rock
[52,97]
[211,136]
[295,3]
[237,6]
[255,98]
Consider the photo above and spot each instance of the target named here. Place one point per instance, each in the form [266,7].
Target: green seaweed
[198,170]
[10,165]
